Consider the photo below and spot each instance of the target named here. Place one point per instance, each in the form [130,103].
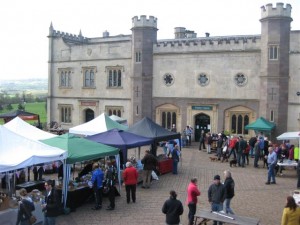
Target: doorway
[89,115]
[202,122]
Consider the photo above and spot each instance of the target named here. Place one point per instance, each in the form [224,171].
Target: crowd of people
[219,194]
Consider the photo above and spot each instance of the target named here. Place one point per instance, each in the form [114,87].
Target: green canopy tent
[79,149]
[261,125]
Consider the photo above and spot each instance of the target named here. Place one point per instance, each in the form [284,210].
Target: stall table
[204,216]
[287,163]
[165,166]
[30,185]
[77,197]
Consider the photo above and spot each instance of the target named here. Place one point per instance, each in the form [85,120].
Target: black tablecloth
[79,196]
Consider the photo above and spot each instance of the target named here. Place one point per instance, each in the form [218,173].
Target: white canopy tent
[98,125]
[18,152]
[23,128]
[290,136]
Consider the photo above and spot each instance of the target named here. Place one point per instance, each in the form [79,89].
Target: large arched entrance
[89,115]
[202,122]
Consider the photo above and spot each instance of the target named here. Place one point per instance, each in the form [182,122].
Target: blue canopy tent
[121,139]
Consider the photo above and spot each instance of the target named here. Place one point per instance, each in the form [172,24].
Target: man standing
[209,143]
[256,153]
[51,205]
[97,181]
[173,209]
[150,163]
[272,161]
[111,178]
[232,142]
[216,196]
[202,140]
[192,193]
[175,153]
[219,146]
[188,131]
[241,151]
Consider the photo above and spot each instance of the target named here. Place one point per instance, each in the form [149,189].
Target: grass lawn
[37,108]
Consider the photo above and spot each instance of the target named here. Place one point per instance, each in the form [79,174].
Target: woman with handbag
[26,206]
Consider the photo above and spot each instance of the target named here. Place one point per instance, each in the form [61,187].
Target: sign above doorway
[202,107]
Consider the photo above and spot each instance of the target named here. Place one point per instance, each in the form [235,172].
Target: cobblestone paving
[253,198]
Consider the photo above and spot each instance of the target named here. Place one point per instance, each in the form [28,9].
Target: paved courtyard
[253,198]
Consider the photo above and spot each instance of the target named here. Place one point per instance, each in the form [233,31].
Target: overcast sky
[25,24]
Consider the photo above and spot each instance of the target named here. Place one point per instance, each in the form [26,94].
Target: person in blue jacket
[97,181]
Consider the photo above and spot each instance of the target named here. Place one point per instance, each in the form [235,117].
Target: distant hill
[34,86]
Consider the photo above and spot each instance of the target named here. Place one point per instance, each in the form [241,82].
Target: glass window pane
[240,125]
[246,122]
[233,124]
[163,119]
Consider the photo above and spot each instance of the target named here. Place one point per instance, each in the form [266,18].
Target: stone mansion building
[211,83]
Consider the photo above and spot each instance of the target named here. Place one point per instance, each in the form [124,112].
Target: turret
[144,35]
[275,46]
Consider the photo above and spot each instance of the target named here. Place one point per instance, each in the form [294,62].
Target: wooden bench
[204,216]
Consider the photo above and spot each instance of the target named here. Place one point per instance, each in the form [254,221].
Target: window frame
[66,74]
[239,122]
[273,52]
[114,76]
[119,110]
[65,113]
[90,81]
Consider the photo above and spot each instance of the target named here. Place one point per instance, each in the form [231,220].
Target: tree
[9,107]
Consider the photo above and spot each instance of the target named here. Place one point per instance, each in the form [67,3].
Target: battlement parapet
[278,11]
[69,37]
[227,42]
[144,22]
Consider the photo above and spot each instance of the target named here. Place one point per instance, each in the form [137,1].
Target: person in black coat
[229,191]
[51,205]
[173,209]
[26,206]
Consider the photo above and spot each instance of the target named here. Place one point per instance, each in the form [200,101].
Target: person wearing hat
[25,209]
[173,209]
[216,196]
[130,176]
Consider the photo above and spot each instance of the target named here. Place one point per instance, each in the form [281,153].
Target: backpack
[261,143]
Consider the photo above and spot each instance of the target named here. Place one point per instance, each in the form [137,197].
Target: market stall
[17,152]
[121,139]
[21,127]
[291,136]
[22,114]
[147,128]
[98,125]
[78,150]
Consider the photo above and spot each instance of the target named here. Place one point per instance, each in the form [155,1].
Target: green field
[37,108]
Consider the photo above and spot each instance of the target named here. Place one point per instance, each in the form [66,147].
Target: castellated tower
[144,35]
[275,45]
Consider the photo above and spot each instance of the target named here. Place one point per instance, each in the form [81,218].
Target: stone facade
[210,83]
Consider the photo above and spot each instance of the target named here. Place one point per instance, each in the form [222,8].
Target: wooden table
[205,216]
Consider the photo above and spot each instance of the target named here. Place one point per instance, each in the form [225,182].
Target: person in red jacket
[130,176]
[192,193]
